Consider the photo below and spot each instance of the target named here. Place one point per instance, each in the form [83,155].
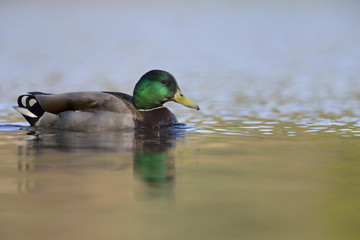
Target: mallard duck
[87,111]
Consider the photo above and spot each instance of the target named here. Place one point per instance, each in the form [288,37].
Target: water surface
[228,180]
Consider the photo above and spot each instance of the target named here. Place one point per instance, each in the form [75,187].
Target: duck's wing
[83,101]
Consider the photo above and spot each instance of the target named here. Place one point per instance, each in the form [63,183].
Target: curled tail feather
[29,107]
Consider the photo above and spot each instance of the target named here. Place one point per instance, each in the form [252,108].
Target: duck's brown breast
[155,118]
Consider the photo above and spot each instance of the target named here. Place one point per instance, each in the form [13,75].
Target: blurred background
[266,59]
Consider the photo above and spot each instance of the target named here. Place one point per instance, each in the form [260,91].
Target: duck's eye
[163,82]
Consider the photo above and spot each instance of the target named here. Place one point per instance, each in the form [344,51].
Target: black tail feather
[29,102]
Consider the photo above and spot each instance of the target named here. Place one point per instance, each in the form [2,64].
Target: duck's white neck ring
[146,110]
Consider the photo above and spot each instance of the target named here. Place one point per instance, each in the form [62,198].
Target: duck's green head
[157,87]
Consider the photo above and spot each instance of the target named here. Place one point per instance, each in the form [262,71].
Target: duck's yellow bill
[180,98]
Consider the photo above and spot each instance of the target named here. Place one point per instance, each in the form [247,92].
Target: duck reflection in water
[149,151]
[153,162]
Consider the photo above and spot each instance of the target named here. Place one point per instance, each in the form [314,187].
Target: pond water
[272,154]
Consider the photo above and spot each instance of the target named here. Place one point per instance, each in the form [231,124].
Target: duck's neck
[145,104]
[151,109]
